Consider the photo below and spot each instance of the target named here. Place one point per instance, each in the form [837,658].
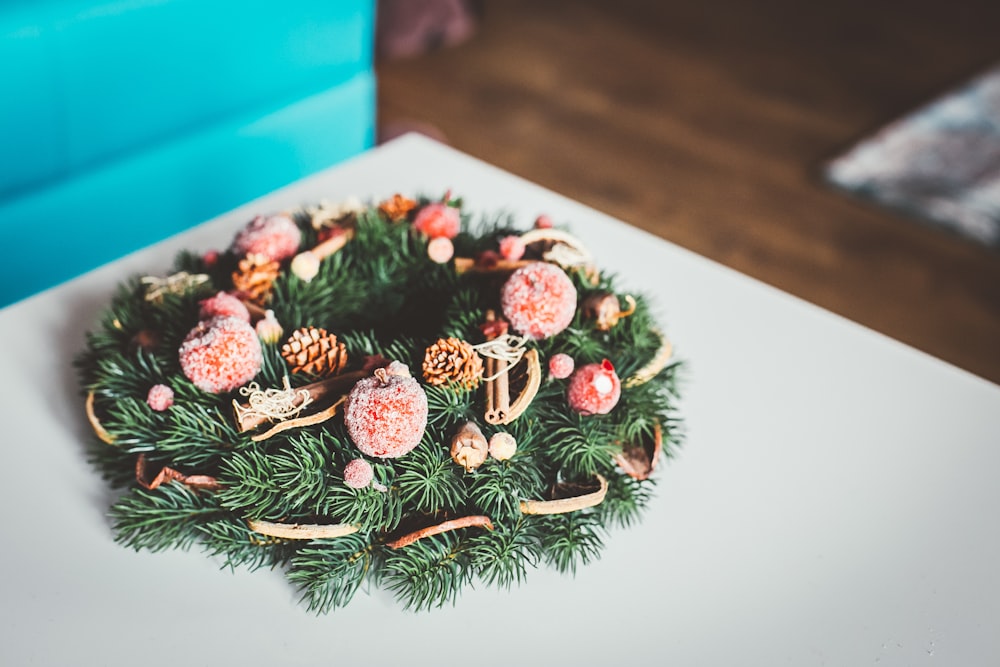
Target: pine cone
[452,360]
[312,350]
[255,277]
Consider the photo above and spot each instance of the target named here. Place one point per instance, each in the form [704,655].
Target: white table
[835,503]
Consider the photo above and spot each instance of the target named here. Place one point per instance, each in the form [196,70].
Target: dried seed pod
[638,459]
[147,339]
[604,308]
[469,447]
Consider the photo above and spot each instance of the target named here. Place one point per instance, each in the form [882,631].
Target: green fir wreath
[389,394]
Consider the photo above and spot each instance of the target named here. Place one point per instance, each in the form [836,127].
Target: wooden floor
[706,123]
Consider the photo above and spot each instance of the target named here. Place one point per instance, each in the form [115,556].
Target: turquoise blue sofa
[123,122]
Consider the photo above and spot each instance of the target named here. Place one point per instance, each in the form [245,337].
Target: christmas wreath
[388,393]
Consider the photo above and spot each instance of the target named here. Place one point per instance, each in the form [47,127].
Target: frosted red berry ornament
[512,248]
[221,354]
[386,414]
[561,366]
[438,220]
[539,300]
[223,305]
[544,222]
[276,237]
[358,474]
[594,389]
[160,397]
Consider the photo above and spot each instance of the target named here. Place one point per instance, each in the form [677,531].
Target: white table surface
[835,502]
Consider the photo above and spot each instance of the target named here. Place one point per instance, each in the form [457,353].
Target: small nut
[502,446]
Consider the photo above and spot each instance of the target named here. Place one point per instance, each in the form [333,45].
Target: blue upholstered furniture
[125,121]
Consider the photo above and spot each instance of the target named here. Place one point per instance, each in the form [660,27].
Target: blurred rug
[940,164]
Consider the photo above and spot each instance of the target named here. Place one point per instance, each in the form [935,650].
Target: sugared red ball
[358,474]
[211,258]
[561,366]
[386,414]
[539,300]
[221,354]
[543,222]
[512,248]
[160,397]
[594,389]
[437,220]
[277,237]
[223,305]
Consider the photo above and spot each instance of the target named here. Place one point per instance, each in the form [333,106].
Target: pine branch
[428,479]
[370,509]
[167,517]
[569,540]
[582,446]
[119,375]
[333,295]
[191,434]
[625,501]
[425,574]
[448,406]
[117,466]
[174,316]
[288,483]
[502,556]
[239,546]
[329,572]
[498,487]
[581,343]
[273,369]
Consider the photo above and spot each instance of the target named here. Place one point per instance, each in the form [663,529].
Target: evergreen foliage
[382,296]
